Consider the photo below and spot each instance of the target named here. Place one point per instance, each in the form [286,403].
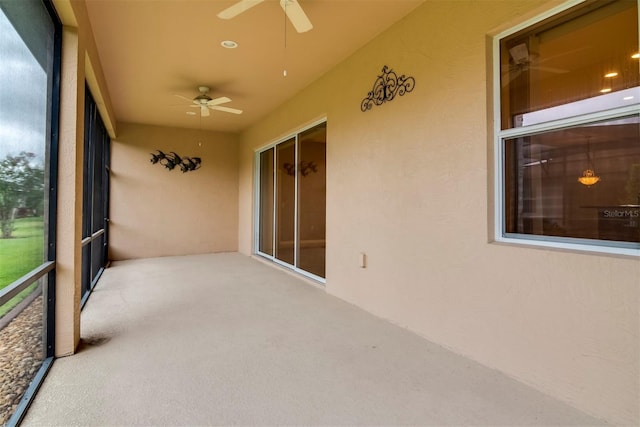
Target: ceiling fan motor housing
[202,99]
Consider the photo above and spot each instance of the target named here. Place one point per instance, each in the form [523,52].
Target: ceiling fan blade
[550,69]
[296,15]
[185,98]
[227,109]
[509,76]
[238,8]
[204,111]
[218,101]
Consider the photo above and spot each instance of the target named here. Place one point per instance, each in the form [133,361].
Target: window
[29,82]
[568,129]
[292,202]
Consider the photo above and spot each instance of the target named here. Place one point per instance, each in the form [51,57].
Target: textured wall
[69,204]
[409,183]
[156,212]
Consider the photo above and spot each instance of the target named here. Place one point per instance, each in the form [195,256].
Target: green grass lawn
[21,254]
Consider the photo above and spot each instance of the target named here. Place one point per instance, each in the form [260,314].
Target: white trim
[538,18]
[596,248]
[296,197]
[612,101]
[291,134]
[601,116]
[256,202]
[499,135]
[275,205]
[321,280]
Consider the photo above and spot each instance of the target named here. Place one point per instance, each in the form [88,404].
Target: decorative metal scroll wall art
[386,87]
[172,160]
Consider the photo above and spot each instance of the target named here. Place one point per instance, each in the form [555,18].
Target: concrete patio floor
[224,339]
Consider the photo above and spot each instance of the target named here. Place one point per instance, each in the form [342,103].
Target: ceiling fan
[206,103]
[523,60]
[291,8]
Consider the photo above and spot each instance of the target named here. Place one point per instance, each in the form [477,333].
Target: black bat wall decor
[172,160]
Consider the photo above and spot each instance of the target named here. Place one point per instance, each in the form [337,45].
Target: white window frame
[500,135]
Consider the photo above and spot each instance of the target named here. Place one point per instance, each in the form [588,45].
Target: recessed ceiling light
[191,113]
[612,74]
[229,44]
[628,98]
[605,90]
[636,56]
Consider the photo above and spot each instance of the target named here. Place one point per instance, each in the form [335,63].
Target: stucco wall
[156,212]
[79,63]
[409,184]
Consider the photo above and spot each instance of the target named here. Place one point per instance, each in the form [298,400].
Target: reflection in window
[292,201]
[266,203]
[585,53]
[547,195]
[285,201]
[312,200]
[569,131]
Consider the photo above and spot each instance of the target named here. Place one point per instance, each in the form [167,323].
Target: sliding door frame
[257,202]
[95,208]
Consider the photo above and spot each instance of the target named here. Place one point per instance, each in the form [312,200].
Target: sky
[23,86]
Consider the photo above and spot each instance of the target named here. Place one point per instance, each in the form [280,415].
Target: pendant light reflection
[589,176]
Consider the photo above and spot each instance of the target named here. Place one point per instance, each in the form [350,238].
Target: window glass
[581,55]
[23,142]
[312,199]
[291,216]
[580,182]
[285,201]
[572,181]
[266,202]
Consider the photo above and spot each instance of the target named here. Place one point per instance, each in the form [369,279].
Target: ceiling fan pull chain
[284,71]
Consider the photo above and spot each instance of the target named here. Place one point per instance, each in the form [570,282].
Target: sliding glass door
[285,201]
[95,210]
[311,216]
[292,202]
[265,218]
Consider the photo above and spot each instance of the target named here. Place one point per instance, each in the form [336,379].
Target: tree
[21,186]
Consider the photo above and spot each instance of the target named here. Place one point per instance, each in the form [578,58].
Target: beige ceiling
[152,50]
